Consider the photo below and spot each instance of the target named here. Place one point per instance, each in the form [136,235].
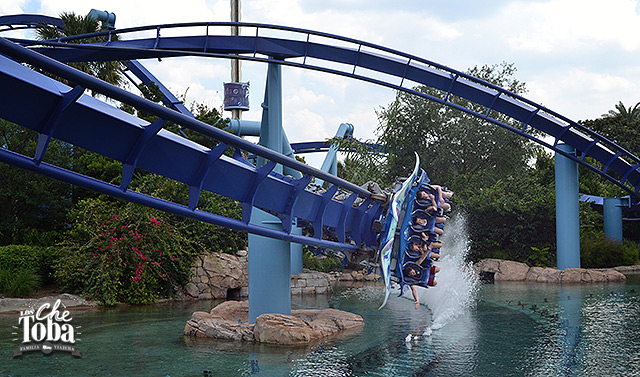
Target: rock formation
[228,321]
[504,270]
[219,276]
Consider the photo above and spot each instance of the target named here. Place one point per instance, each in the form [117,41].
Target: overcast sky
[578,58]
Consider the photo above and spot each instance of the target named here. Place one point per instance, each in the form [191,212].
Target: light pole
[236,73]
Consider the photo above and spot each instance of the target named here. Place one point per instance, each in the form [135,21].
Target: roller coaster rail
[323,211]
[403,70]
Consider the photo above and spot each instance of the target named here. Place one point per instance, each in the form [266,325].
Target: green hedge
[37,259]
[325,263]
[596,251]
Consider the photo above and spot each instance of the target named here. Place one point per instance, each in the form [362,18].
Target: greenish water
[509,330]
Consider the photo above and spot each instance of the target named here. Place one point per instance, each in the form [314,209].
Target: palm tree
[76,25]
[108,71]
[627,114]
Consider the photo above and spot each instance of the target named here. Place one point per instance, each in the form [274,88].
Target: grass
[19,283]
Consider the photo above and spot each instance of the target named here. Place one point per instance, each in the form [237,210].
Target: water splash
[457,283]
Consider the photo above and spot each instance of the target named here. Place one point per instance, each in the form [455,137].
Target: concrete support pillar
[612,211]
[567,210]
[271,132]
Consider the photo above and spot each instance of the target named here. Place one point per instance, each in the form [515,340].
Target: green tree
[448,141]
[502,181]
[32,207]
[629,114]
[363,161]
[507,215]
[619,129]
[77,25]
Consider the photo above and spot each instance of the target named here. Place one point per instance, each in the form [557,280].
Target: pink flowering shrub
[122,252]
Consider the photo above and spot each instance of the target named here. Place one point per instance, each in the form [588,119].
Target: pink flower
[153,220]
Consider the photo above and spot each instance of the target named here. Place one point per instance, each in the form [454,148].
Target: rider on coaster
[414,275]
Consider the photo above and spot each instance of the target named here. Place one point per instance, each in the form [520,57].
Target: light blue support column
[567,210]
[330,163]
[271,126]
[269,270]
[252,128]
[296,251]
[612,211]
[269,259]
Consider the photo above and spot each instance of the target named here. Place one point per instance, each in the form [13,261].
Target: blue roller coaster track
[69,115]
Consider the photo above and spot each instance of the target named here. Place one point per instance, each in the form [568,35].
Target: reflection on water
[579,330]
[512,330]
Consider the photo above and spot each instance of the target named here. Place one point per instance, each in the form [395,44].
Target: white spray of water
[457,282]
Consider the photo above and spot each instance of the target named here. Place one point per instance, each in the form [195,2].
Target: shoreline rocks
[228,321]
[504,270]
[11,305]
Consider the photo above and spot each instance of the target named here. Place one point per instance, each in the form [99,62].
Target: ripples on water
[478,330]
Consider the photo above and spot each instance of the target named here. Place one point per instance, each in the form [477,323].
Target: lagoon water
[510,330]
[465,329]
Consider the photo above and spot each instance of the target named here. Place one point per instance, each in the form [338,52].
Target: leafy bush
[119,252]
[324,263]
[211,238]
[506,216]
[39,260]
[540,257]
[597,251]
[19,282]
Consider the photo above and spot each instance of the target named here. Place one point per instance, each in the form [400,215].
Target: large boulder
[8,304]
[614,275]
[228,321]
[328,322]
[203,325]
[304,326]
[543,275]
[225,321]
[488,265]
[583,275]
[282,329]
[504,270]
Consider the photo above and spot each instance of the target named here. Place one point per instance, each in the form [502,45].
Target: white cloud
[583,95]
[561,24]
[305,125]
[12,7]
